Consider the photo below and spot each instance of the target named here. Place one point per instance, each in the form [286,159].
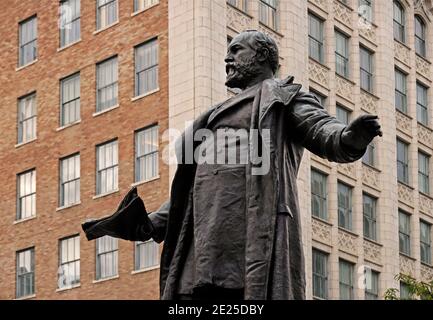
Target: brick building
[84,99]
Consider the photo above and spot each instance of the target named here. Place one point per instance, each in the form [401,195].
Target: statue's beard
[239,75]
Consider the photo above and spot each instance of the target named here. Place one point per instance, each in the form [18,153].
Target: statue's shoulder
[281,89]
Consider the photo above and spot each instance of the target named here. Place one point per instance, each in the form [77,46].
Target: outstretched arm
[326,136]
[130,221]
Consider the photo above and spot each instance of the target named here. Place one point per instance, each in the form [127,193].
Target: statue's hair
[264,41]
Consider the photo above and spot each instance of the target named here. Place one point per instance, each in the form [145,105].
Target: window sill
[371,167]
[347,231]
[24,143]
[105,110]
[105,194]
[144,95]
[322,64]
[322,220]
[68,206]
[25,219]
[239,9]
[271,29]
[68,288]
[26,297]
[427,265]
[106,27]
[373,242]
[68,45]
[407,256]
[143,10]
[404,114]
[105,279]
[145,269]
[345,78]
[26,65]
[369,93]
[68,125]
[405,185]
[402,43]
[135,184]
[422,57]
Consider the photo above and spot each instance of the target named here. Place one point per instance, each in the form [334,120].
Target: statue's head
[252,56]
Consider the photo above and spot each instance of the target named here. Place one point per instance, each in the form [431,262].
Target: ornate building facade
[365,222]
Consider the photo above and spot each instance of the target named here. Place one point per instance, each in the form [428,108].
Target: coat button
[215,171]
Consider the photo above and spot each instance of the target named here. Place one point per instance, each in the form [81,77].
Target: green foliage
[417,289]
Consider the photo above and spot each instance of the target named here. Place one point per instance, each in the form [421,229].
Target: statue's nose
[228,58]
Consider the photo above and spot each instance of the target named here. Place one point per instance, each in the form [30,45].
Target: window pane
[320,274]
[346,280]
[28,41]
[146,154]
[25,273]
[27,118]
[69,22]
[402,162]
[146,67]
[107,166]
[318,195]
[69,180]
[70,99]
[146,254]
[106,257]
[344,206]
[369,217]
[404,233]
[422,104]
[107,84]
[106,13]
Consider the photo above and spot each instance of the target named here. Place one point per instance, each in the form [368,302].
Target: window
[369,155]
[369,214]
[423,173]
[69,180]
[400,91]
[399,22]
[319,195]
[402,162]
[27,118]
[106,257]
[320,274]
[26,197]
[69,262]
[69,22]
[146,67]
[268,13]
[404,232]
[315,37]
[28,41]
[70,99]
[106,13]
[346,280]
[320,97]
[343,114]
[344,206]
[106,167]
[143,4]
[146,154]
[25,273]
[366,9]
[425,242]
[107,90]
[420,35]
[341,54]
[421,104]
[240,4]
[405,293]
[372,285]
[366,69]
[146,254]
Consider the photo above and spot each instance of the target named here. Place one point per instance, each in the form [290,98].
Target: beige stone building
[364,222]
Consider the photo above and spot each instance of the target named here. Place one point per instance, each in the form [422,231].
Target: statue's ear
[262,54]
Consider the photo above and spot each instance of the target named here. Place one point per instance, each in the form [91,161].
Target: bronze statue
[231,230]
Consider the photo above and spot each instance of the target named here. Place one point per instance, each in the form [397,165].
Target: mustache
[244,67]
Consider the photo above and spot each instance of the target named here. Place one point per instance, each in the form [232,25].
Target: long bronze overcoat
[274,261]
